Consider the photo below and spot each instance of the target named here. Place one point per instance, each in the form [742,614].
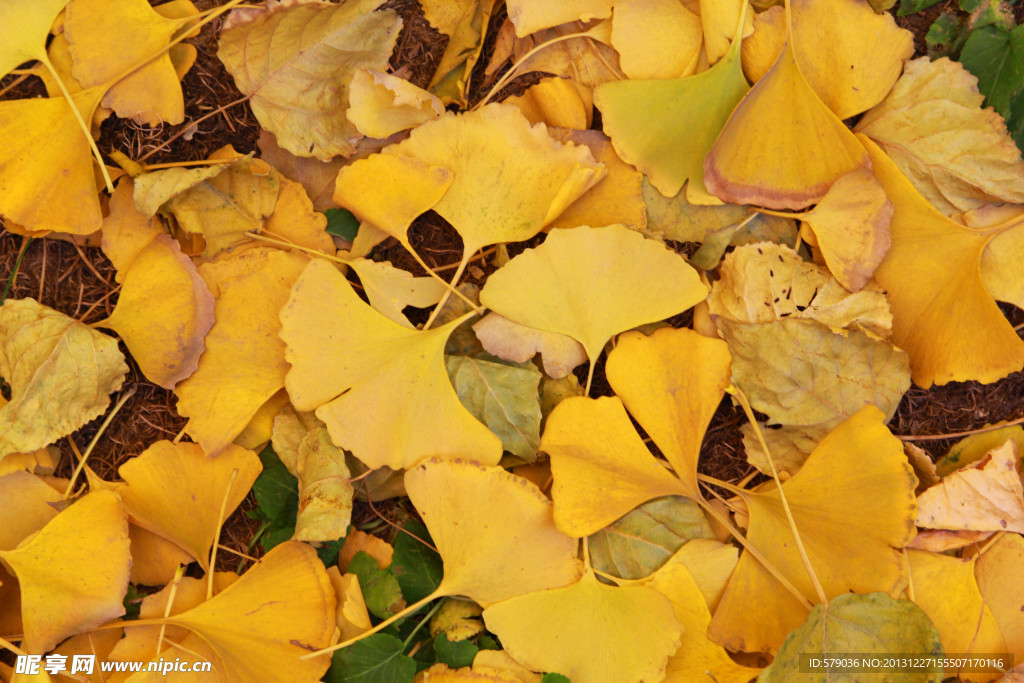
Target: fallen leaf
[154,559]
[325,493]
[512,550]
[28,506]
[351,616]
[517,343]
[530,16]
[354,366]
[316,176]
[244,363]
[465,22]
[589,631]
[60,371]
[710,563]
[390,289]
[719,19]
[52,607]
[556,102]
[176,491]
[29,27]
[457,619]
[788,445]
[125,231]
[656,38]
[588,60]
[295,221]
[853,504]
[975,447]
[592,283]
[956,154]
[995,570]
[381,104]
[299,89]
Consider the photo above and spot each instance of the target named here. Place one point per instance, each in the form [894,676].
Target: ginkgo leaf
[996,572]
[666,127]
[697,656]
[154,558]
[154,189]
[381,104]
[945,588]
[789,446]
[589,632]
[853,504]
[656,38]
[601,467]
[316,176]
[176,491]
[1003,253]
[295,221]
[517,343]
[851,226]
[944,317]
[26,509]
[765,282]
[60,371]
[530,16]
[325,493]
[588,59]
[850,54]
[641,541]
[975,447]
[351,615]
[163,312]
[512,549]
[763,47]
[510,179]
[391,289]
[465,23]
[719,19]
[125,231]
[279,610]
[956,154]
[27,28]
[870,624]
[503,397]
[295,61]
[711,564]
[654,376]
[763,154]
[503,661]
[359,542]
[151,93]
[986,495]
[556,102]
[66,586]
[389,192]
[592,283]
[46,167]
[616,198]
[788,370]
[244,362]
[354,366]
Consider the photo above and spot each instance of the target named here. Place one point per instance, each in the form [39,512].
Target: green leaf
[132,602]
[506,398]
[634,546]
[911,6]
[341,223]
[417,567]
[996,56]
[375,659]
[873,624]
[277,500]
[488,642]
[381,591]
[946,36]
[328,552]
[555,678]
[1015,124]
[456,655]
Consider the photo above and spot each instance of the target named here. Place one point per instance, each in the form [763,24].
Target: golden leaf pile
[571,511]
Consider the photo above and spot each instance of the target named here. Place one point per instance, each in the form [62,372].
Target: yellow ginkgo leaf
[391,289]
[996,571]
[945,588]
[530,16]
[154,189]
[359,542]
[510,179]
[176,491]
[46,168]
[655,378]
[442,673]
[588,60]
[764,155]
[295,221]
[152,93]
[697,656]
[656,38]
[351,615]
[154,558]
[315,175]
[710,563]
[125,231]
[27,26]
[465,23]
[234,381]
[719,19]
[666,127]
[944,317]
[60,372]
[511,549]
[381,104]
[295,61]
[601,467]
[592,283]
[163,312]
[325,493]
[26,508]
[355,367]
[518,343]
[854,507]
[851,227]
[67,587]
[617,198]
[556,101]
[590,632]
[765,45]
[389,192]
[279,610]
[503,661]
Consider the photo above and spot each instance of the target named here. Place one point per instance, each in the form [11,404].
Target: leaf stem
[92,444]
[26,242]
[424,620]
[719,482]
[451,288]
[212,571]
[511,73]
[8,645]
[953,435]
